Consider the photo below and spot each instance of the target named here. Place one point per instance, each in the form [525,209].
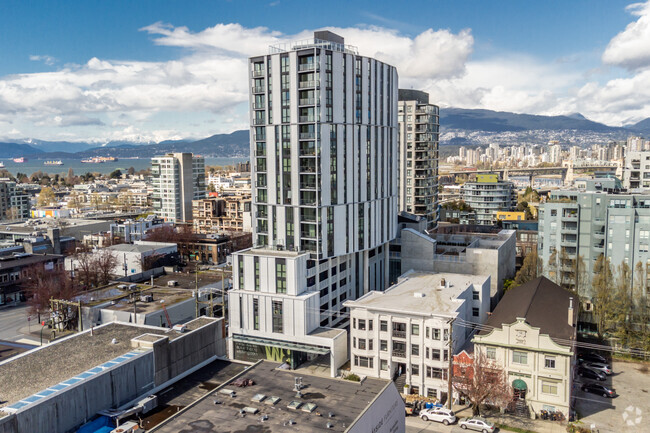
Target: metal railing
[306,67]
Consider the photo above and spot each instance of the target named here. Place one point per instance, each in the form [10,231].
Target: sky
[153,70]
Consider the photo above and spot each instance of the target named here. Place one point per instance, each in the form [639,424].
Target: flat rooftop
[405,296]
[139,248]
[33,224]
[36,370]
[345,399]
[266,251]
[123,298]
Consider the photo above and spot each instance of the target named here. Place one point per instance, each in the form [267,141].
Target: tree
[553,268]
[530,269]
[602,293]
[482,382]
[582,278]
[74,201]
[105,262]
[84,268]
[70,178]
[46,197]
[151,261]
[115,174]
[182,233]
[41,285]
[622,303]
[130,171]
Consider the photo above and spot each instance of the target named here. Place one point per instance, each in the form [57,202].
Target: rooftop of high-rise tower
[322,39]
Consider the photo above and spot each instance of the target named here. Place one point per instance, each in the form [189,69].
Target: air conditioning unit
[146,298]
[179,328]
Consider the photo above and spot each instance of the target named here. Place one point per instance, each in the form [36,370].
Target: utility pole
[223,293]
[450,374]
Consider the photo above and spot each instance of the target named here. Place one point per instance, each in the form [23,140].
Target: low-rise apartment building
[532,334]
[222,214]
[403,333]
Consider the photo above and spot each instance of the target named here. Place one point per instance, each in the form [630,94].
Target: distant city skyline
[151,71]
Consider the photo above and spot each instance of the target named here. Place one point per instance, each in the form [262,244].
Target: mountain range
[457,121]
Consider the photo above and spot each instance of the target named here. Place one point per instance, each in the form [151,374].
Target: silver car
[599,366]
[478,424]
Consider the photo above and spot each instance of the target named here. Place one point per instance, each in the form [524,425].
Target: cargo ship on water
[99,159]
[57,162]
[20,160]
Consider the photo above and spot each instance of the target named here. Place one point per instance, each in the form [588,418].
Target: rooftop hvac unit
[179,328]
[146,298]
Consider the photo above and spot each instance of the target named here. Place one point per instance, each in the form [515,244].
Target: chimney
[571,311]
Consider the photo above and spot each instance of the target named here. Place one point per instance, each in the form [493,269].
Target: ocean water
[33,165]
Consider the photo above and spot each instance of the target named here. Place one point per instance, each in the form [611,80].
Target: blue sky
[151,70]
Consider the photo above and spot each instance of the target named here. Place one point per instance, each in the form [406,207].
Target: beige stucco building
[532,335]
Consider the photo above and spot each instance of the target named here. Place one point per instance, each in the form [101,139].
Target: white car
[478,424]
[438,414]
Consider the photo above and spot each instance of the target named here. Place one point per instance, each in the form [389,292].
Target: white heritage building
[404,332]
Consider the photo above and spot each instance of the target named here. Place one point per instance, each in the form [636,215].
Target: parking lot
[629,412]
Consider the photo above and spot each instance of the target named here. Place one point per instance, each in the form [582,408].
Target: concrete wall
[385,414]
[418,251]
[174,357]
[67,410]
[143,276]
[180,312]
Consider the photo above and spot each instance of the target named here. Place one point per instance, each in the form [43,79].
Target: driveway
[629,412]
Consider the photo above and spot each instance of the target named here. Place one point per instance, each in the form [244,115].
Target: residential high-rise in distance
[178,178]
[324,174]
[418,152]
[488,195]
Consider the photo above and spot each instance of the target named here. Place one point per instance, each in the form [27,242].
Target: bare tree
[182,233]
[602,294]
[482,382]
[84,268]
[150,261]
[105,262]
[41,285]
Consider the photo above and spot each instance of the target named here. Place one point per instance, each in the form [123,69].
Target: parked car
[591,357]
[598,366]
[597,388]
[438,414]
[478,424]
[588,373]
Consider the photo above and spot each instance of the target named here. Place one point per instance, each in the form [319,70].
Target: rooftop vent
[331,414]
[114,341]
[418,295]
[330,425]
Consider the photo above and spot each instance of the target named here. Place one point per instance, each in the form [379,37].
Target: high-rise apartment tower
[418,155]
[324,173]
[178,178]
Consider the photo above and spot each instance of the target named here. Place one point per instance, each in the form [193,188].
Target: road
[416,425]
[12,319]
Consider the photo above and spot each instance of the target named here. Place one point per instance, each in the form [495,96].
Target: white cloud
[631,47]
[210,77]
[516,82]
[48,60]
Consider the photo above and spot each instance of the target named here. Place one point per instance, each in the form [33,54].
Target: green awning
[519,385]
